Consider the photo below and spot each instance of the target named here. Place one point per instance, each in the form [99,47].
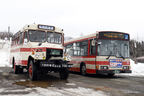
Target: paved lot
[119,85]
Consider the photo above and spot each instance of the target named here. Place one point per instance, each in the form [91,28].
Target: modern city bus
[101,52]
[39,49]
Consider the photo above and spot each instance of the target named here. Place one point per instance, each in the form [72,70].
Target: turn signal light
[97,67]
[33,52]
[44,57]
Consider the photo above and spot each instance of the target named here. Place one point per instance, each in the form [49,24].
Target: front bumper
[56,64]
[113,71]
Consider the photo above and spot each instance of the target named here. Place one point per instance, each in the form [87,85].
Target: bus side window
[83,48]
[77,49]
[69,49]
[21,38]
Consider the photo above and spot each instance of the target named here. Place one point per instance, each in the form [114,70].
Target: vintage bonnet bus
[39,49]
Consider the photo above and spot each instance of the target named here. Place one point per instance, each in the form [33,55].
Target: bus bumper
[54,64]
[113,71]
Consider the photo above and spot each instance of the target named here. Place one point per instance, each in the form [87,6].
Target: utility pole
[8,33]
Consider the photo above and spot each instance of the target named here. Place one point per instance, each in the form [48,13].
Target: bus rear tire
[21,70]
[83,70]
[32,71]
[64,73]
[16,69]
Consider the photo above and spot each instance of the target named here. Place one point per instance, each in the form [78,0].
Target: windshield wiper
[109,55]
[121,55]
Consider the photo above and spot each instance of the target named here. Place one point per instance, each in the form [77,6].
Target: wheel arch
[82,63]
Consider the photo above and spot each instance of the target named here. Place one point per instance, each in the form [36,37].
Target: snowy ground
[137,70]
[50,91]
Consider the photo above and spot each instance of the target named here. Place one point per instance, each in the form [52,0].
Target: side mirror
[25,41]
[93,42]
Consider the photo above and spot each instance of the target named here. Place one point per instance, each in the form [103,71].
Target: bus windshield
[53,37]
[116,48]
[37,36]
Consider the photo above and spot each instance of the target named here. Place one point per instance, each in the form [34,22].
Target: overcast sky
[75,16]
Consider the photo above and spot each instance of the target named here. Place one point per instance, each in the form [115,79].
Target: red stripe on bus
[30,49]
[97,62]
[91,71]
[84,56]
[74,69]
[25,49]
[24,62]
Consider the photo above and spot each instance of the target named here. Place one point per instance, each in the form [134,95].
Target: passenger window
[83,48]
[77,49]
[69,49]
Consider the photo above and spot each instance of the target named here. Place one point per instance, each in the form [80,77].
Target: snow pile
[137,69]
[4,53]
[53,91]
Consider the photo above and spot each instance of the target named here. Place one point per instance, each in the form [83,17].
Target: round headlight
[36,55]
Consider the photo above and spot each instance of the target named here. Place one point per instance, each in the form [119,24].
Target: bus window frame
[21,37]
[27,36]
[37,30]
[90,47]
[62,36]
[80,47]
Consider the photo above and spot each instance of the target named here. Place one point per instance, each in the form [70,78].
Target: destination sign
[45,27]
[114,35]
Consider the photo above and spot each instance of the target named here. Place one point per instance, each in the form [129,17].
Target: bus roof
[42,27]
[93,35]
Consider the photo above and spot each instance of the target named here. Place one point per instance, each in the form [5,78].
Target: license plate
[56,66]
[116,71]
[50,65]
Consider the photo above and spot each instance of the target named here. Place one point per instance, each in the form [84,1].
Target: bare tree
[135,49]
[5,34]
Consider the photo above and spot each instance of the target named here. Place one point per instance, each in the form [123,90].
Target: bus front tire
[32,71]
[111,74]
[64,73]
[83,69]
